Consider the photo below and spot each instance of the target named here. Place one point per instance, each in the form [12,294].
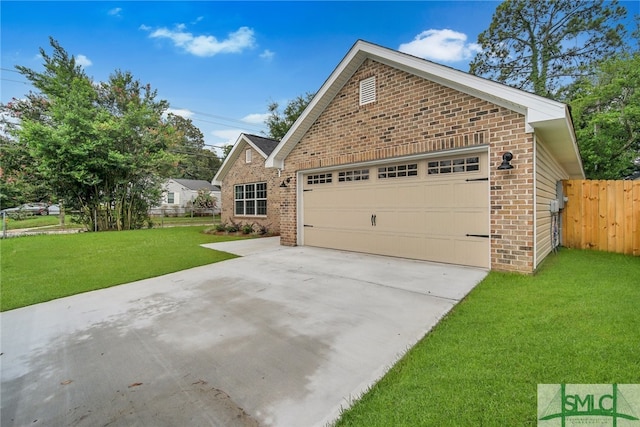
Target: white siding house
[178,194]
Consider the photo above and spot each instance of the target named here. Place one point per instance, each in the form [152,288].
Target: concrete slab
[279,337]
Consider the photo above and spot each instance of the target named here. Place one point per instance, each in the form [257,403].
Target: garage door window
[354,175]
[320,178]
[467,164]
[251,199]
[398,171]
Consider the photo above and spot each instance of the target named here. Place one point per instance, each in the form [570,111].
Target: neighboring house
[178,194]
[250,192]
[399,156]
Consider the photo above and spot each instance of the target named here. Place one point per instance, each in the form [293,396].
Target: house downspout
[535,201]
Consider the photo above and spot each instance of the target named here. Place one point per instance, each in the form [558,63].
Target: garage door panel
[470,194]
[474,221]
[471,252]
[436,218]
[439,194]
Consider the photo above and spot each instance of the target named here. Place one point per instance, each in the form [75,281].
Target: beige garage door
[430,209]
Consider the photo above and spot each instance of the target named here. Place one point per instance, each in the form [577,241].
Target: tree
[606,112]
[101,147]
[204,200]
[279,122]
[195,161]
[541,46]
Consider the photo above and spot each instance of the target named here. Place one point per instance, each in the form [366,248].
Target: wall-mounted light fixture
[506,158]
[285,182]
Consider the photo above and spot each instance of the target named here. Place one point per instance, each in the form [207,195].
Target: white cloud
[256,118]
[267,54]
[83,61]
[144,27]
[115,11]
[441,45]
[226,136]
[203,45]
[182,112]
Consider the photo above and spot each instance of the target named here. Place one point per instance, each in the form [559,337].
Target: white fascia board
[325,94]
[535,108]
[233,155]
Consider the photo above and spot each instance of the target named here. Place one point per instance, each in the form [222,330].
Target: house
[178,194]
[399,156]
[250,192]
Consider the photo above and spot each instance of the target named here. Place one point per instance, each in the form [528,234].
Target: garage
[433,208]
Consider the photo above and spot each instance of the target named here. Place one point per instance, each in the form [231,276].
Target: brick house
[250,192]
[399,156]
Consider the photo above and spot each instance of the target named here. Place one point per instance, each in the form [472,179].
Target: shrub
[221,227]
[247,228]
[234,227]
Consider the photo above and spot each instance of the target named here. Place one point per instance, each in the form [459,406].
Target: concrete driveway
[281,336]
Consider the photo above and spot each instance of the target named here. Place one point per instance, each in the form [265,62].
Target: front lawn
[40,268]
[577,321]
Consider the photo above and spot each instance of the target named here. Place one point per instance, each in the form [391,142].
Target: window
[367,90]
[467,164]
[251,199]
[398,171]
[247,156]
[354,175]
[321,178]
[171,198]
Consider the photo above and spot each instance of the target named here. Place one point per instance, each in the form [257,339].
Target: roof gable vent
[367,90]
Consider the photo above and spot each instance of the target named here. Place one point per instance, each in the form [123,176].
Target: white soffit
[535,108]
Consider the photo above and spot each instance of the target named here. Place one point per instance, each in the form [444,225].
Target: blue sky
[222,63]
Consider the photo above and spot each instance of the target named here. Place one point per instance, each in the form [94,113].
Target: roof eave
[233,155]
[567,153]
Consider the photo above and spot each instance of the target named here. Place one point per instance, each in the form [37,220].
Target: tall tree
[541,46]
[279,122]
[606,112]
[195,161]
[99,146]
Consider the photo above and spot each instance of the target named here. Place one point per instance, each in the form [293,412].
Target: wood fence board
[627,201]
[635,228]
[602,215]
[602,212]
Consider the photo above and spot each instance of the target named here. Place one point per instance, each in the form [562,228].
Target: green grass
[51,221]
[39,221]
[577,321]
[41,268]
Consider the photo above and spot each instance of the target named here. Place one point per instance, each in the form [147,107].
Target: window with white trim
[171,198]
[320,178]
[247,155]
[353,175]
[466,164]
[398,171]
[250,199]
[368,90]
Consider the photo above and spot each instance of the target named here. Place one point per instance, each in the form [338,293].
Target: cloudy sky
[222,63]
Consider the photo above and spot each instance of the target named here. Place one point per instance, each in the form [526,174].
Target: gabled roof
[548,118]
[264,147]
[196,184]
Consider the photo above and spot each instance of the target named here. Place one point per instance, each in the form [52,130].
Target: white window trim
[247,155]
[255,199]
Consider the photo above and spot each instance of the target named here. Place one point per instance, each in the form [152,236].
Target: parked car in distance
[54,210]
[27,209]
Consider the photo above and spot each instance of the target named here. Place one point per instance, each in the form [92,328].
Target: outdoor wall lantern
[506,158]
[285,182]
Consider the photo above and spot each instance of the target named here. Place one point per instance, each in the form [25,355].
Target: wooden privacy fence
[602,215]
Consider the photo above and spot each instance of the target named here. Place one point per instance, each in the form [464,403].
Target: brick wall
[246,173]
[412,116]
